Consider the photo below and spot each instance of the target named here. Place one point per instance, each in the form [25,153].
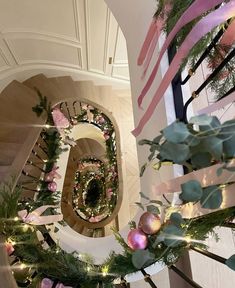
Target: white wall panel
[41,51]
[97,32]
[50,16]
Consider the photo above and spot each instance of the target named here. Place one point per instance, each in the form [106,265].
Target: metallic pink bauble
[52,186]
[149,223]
[49,177]
[136,239]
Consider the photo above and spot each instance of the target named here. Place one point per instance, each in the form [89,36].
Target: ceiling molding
[33,34]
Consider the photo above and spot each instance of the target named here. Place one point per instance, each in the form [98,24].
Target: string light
[25,227]
[16,219]
[105,270]
[22,266]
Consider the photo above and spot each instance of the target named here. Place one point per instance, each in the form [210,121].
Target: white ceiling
[77,34]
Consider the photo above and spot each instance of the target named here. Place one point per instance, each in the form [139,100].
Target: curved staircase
[22,144]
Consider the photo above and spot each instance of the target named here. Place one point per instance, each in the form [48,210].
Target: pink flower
[109,193]
[9,247]
[106,136]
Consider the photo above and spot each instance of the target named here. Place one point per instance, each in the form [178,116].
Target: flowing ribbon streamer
[150,52]
[48,283]
[205,25]
[35,217]
[148,39]
[229,35]
[218,105]
[196,9]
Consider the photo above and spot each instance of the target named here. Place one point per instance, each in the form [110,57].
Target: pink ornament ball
[52,186]
[149,223]
[136,239]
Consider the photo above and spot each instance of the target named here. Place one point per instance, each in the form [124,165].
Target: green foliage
[43,105]
[211,198]
[200,143]
[141,258]
[191,191]
[230,262]
[9,196]
[225,79]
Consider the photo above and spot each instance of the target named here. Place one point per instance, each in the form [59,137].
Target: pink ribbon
[218,105]
[48,283]
[60,121]
[205,25]
[35,217]
[148,39]
[53,173]
[196,9]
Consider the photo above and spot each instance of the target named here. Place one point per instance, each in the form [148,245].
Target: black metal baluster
[74,109]
[67,107]
[209,254]
[196,93]
[34,165]
[185,277]
[42,148]
[148,279]
[205,53]
[36,154]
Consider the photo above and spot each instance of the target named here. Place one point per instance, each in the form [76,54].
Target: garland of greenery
[69,269]
[225,79]
[102,202]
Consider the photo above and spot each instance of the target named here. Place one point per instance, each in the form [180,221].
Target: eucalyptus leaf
[176,219]
[191,191]
[192,140]
[219,171]
[177,132]
[201,160]
[214,146]
[142,195]
[211,198]
[153,209]
[202,120]
[172,235]
[140,205]
[230,262]
[141,258]
[227,133]
[178,153]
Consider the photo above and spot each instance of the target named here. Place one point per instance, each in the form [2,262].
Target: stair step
[66,86]
[8,151]
[19,100]
[4,171]
[46,87]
